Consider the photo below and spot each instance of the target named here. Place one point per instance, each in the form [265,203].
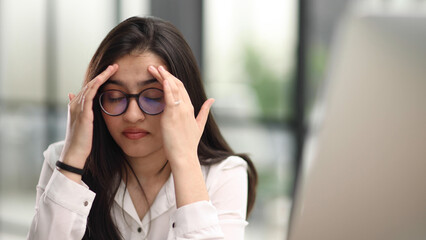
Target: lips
[135,133]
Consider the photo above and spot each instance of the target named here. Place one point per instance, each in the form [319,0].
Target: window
[45,47]
[249,57]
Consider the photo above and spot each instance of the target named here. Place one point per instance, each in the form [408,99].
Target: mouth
[135,133]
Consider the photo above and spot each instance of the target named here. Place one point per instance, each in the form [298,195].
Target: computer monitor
[363,172]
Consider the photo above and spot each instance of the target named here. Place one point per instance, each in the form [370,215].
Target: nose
[133,112]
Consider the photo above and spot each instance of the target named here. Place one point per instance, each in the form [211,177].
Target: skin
[171,136]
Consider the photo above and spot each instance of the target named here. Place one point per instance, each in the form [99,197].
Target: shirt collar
[164,201]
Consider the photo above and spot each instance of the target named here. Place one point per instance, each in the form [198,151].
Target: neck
[152,168]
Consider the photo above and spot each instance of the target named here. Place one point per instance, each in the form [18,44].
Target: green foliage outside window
[273,91]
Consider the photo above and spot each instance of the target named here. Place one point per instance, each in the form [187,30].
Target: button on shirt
[62,206]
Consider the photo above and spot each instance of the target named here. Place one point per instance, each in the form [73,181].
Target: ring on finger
[177,102]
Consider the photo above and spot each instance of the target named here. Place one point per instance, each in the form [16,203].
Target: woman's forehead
[140,59]
[132,86]
[133,70]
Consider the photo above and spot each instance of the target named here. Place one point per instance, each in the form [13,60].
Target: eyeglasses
[116,102]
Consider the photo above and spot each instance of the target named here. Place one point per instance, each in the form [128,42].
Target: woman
[143,157]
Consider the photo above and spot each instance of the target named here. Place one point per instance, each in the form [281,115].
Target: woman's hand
[181,135]
[181,130]
[78,139]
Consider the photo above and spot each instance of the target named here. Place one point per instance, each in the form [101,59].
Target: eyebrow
[141,83]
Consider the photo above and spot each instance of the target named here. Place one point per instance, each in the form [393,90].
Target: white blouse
[62,206]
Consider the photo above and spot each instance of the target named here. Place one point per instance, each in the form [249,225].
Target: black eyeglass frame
[128,97]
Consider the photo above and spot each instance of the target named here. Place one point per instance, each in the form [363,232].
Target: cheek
[111,123]
[156,123]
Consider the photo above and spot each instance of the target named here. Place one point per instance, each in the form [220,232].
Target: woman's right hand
[78,138]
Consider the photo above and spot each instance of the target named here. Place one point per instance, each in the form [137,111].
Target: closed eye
[153,99]
[116,99]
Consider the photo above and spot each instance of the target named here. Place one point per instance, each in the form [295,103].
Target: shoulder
[230,169]
[228,164]
[53,152]
[227,186]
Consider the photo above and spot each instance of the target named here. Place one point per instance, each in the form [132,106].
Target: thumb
[71,96]
[203,114]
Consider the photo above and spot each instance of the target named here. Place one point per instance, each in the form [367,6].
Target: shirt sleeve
[62,205]
[223,217]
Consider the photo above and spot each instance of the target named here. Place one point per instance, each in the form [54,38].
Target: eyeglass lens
[115,102]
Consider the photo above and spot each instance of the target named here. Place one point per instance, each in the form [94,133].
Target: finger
[172,88]
[168,76]
[172,83]
[164,73]
[82,104]
[77,98]
[71,96]
[102,77]
[204,114]
[168,95]
[93,86]
[96,82]
[82,92]
[156,74]
[183,93]
[89,91]
[106,74]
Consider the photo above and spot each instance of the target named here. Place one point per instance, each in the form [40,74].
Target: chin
[133,153]
[140,152]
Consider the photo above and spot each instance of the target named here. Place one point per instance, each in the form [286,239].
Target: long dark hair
[107,162]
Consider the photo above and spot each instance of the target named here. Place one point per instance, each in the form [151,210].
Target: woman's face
[137,133]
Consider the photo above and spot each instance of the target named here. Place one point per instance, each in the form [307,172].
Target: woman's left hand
[181,134]
[180,128]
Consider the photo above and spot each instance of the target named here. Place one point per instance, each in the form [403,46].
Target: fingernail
[151,67]
[161,68]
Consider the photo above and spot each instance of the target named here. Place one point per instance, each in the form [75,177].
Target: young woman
[142,157]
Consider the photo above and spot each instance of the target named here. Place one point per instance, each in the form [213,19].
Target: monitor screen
[363,172]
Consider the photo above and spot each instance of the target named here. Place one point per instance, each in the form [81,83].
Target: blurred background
[262,60]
